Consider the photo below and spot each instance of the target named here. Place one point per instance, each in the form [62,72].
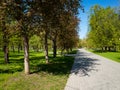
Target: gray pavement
[93,72]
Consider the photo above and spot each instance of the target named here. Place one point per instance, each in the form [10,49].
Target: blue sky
[84,16]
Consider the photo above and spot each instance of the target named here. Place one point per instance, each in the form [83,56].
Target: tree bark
[109,49]
[71,49]
[26,55]
[62,51]
[5,43]
[19,48]
[46,47]
[54,48]
[6,54]
[13,48]
[102,49]
[105,48]
[37,48]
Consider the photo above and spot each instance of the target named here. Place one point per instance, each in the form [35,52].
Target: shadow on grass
[118,59]
[10,70]
[59,65]
[15,63]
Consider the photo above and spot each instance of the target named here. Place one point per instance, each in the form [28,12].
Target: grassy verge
[52,76]
[115,56]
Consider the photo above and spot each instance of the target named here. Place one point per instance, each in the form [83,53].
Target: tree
[0,40]
[68,37]
[4,27]
[23,14]
[102,27]
[51,11]
[31,16]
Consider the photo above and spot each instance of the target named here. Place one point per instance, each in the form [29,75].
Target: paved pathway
[93,72]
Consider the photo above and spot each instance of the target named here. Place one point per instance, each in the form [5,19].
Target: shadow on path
[84,64]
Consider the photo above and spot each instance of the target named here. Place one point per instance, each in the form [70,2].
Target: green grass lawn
[52,76]
[115,56]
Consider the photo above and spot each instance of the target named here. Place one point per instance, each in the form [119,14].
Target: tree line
[34,23]
[104,25]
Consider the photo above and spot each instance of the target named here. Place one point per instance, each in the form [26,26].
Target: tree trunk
[13,48]
[67,51]
[5,43]
[19,48]
[115,49]
[26,55]
[46,47]
[37,48]
[6,54]
[102,49]
[105,48]
[71,49]
[54,48]
[109,49]
[62,51]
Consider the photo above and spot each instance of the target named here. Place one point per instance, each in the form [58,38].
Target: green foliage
[28,18]
[36,43]
[15,43]
[68,38]
[104,28]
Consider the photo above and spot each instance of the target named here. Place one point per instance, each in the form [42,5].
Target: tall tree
[102,27]
[23,15]
[31,14]
[51,11]
[4,25]
[68,37]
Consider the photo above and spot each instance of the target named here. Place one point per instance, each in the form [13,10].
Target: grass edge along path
[114,56]
[52,76]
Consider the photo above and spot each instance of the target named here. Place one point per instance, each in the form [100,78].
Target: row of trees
[55,20]
[104,25]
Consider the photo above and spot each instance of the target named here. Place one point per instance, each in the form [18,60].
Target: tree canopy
[29,20]
[104,28]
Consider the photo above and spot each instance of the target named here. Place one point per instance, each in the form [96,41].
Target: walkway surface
[93,72]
